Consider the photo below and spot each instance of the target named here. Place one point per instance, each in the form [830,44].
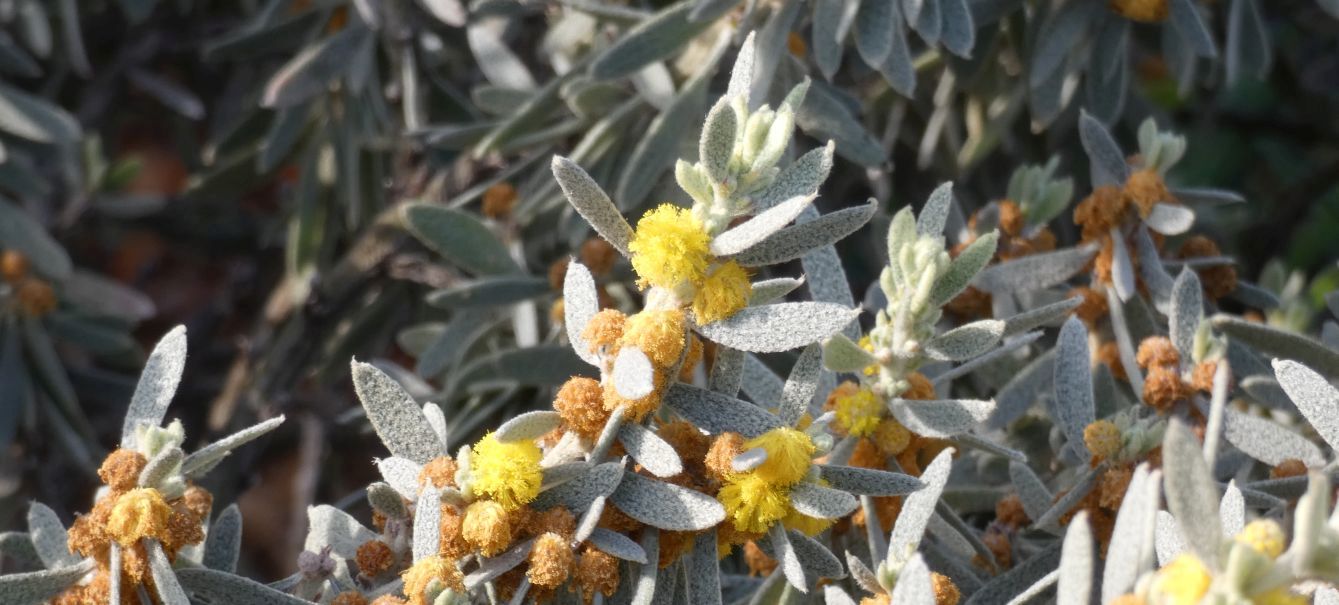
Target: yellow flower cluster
[858,413]
[756,499]
[671,250]
[1102,438]
[507,472]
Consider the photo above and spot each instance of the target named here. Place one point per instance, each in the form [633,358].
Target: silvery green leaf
[1252,295]
[577,494]
[869,482]
[649,450]
[18,549]
[1232,510]
[986,445]
[861,573]
[778,543]
[841,354]
[618,545]
[644,585]
[727,373]
[821,502]
[492,567]
[918,507]
[831,22]
[395,416]
[825,116]
[800,239]
[542,365]
[801,385]
[1107,162]
[717,144]
[205,458]
[224,542]
[489,291]
[703,571]
[1075,584]
[561,473]
[966,341]
[164,578]
[771,290]
[385,500]
[779,327]
[1033,272]
[1207,197]
[48,537]
[1152,272]
[874,25]
[1032,492]
[959,30]
[934,215]
[816,558]
[1023,390]
[160,467]
[223,587]
[105,296]
[38,586]
[1185,18]
[801,178]
[1059,35]
[1186,311]
[942,417]
[24,234]
[755,231]
[1280,343]
[898,69]
[718,413]
[528,426]
[157,384]
[914,586]
[633,375]
[36,119]
[499,64]
[656,150]
[654,39]
[1167,538]
[929,22]
[1169,219]
[963,268]
[1314,397]
[311,71]
[834,595]
[759,382]
[427,524]
[1192,494]
[741,74]
[1122,268]
[591,202]
[1037,589]
[772,43]
[329,526]
[1074,406]
[1066,502]
[459,237]
[1044,315]
[1017,580]
[1267,441]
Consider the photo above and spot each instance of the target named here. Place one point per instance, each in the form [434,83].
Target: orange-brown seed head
[1163,387]
[120,469]
[598,255]
[759,563]
[499,200]
[1011,218]
[596,571]
[1291,467]
[920,387]
[374,558]
[721,454]
[604,331]
[1157,350]
[946,593]
[13,265]
[551,561]
[580,403]
[439,472]
[1145,188]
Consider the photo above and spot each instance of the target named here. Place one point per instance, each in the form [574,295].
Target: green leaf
[1280,343]
[841,354]
[1192,494]
[459,237]
[157,385]
[654,39]
[38,586]
[717,145]
[222,587]
[666,506]
[36,119]
[966,341]
[20,232]
[964,268]
[312,71]
[490,291]
[395,416]
[544,365]
[224,542]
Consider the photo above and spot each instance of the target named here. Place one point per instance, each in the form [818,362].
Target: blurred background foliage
[302,181]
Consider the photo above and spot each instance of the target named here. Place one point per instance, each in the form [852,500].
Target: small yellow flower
[1183,581]
[669,248]
[1102,438]
[789,455]
[867,344]
[508,473]
[1279,596]
[859,413]
[418,579]
[1264,536]
[658,333]
[139,513]
[486,527]
[723,294]
[891,437]
[753,503]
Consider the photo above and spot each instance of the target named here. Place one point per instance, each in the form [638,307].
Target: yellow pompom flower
[789,455]
[859,413]
[1264,536]
[891,437]
[1279,596]
[658,333]
[487,527]
[418,579]
[723,294]
[139,513]
[752,503]
[1102,438]
[508,473]
[1183,581]
[670,247]
[868,344]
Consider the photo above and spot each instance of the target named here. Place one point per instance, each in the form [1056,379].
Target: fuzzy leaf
[1192,494]
[934,215]
[666,506]
[1032,492]
[1074,405]
[718,413]
[1075,584]
[778,546]
[869,482]
[396,417]
[816,558]
[941,417]
[821,502]
[966,341]
[1129,551]
[427,524]
[161,466]
[718,140]
[1011,583]
[1268,441]
[1044,315]
[592,203]
[1314,397]
[1169,219]
[741,73]
[801,385]
[1023,390]
[460,238]
[801,178]
[492,567]
[157,384]
[1107,162]
[385,500]
[1185,18]
[401,474]
[329,526]
[633,375]
[727,373]
[918,507]
[800,239]
[914,586]
[1033,272]
[772,290]
[1281,344]
[649,450]
[841,354]
[653,39]
[964,268]
[48,537]
[1232,510]
[205,458]
[164,578]
[756,230]
[528,426]
[617,545]
[703,571]
[490,291]
[223,545]
[577,494]
[1122,267]
[873,26]
[759,382]
[38,586]
[1186,311]
[834,595]
[223,587]
[779,327]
